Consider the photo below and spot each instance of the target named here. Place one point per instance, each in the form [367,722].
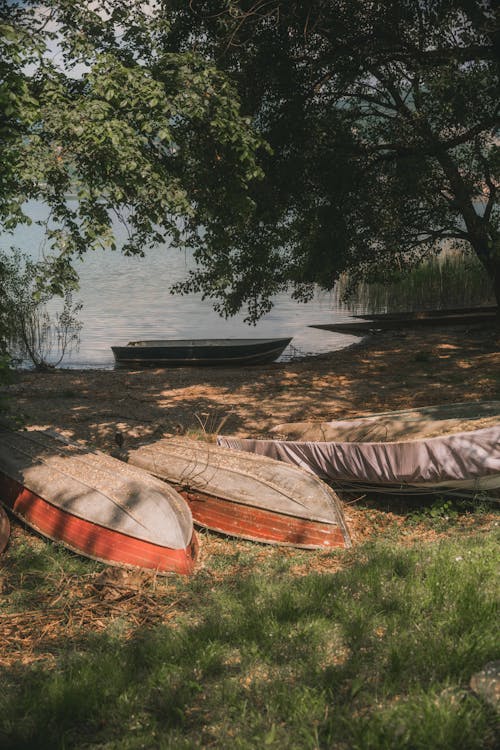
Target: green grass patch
[376,655]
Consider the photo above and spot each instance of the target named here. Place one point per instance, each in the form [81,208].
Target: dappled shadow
[386,372]
[262,648]
[225,649]
[94,504]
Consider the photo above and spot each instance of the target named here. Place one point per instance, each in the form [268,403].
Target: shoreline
[387,371]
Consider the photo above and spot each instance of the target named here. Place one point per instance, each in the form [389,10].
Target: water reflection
[127,299]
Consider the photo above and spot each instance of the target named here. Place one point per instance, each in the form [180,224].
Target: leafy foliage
[140,136]
[285,142]
[382,118]
[29,330]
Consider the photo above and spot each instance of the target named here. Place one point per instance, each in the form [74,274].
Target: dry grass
[383,373]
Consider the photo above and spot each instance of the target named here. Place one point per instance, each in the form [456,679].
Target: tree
[93,106]
[382,117]
[284,142]
[32,331]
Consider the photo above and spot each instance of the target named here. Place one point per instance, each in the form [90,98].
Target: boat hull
[90,540]
[394,451]
[45,483]
[394,322]
[260,525]
[208,353]
[4,529]
[248,496]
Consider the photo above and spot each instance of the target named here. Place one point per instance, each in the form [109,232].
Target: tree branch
[489,181]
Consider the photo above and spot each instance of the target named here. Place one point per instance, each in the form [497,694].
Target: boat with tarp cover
[94,504]
[430,449]
[248,496]
[200,352]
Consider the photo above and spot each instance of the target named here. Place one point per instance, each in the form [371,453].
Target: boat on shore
[200,352]
[4,529]
[398,321]
[94,504]
[247,496]
[487,311]
[432,449]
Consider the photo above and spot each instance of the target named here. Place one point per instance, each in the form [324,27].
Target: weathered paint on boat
[200,352]
[391,426]
[4,529]
[94,504]
[248,496]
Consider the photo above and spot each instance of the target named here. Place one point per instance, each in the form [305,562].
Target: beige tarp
[464,460]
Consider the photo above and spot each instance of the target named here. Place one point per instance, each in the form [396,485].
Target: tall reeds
[452,279]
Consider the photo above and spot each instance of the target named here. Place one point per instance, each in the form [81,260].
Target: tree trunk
[482,237]
[490,259]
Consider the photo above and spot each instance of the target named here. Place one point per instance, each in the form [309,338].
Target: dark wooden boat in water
[486,311]
[199,352]
[94,504]
[397,321]
[248,496]
[4,529]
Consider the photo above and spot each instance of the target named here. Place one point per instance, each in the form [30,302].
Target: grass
[451,280]
[263,647]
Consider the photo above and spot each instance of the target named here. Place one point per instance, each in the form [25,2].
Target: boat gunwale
[330,496]
[163,489]
[199,343]
[375,442]
[340,525]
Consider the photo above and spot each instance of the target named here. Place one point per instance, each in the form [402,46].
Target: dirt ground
[386,371]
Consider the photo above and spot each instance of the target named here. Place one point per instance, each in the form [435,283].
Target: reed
[451,280]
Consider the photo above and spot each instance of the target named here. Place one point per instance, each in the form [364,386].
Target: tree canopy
[284,142]
[382,119]
[94,106]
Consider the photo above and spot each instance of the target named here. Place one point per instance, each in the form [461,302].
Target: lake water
[126,299]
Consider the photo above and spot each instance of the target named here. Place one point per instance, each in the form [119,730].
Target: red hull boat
[94,504]
[4,529]
[248,496]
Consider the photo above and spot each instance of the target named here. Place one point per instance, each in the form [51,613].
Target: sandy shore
[386,371]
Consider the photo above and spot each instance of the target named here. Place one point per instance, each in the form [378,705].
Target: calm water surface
[126,299]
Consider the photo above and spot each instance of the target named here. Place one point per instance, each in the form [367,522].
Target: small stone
[486,684]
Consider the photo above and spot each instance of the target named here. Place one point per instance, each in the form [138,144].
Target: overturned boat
[431,449]
[94,504]
[248,496]
[4,529]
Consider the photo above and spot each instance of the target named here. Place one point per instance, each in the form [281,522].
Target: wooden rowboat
[431,449]
[394,322]
[248,496]
[94,504]
[200,352]
[4,529]
[486,311]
